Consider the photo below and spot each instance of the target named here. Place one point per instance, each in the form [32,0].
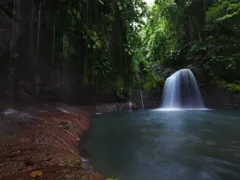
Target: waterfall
[140,91]
[181,91]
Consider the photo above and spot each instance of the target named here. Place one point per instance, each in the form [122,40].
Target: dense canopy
[100,49]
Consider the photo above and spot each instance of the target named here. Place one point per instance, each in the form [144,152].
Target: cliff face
[217,98]
[7,27]
[22,24]
[16,19]
[27,65]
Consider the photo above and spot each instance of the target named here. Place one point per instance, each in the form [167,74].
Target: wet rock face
[7,28]
[113,107]
[215,97]
[16,16]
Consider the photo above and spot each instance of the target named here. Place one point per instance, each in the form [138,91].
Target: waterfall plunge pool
[155,145]
[182,109]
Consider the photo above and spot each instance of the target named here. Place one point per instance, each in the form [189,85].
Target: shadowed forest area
[71,51]
[92,51]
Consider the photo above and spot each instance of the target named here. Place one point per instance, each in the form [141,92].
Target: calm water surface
[155,145]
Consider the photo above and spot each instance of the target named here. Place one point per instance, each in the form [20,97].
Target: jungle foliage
[200,34]
[100,34]
[105,46]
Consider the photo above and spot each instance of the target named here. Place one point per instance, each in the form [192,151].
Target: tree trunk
[198,30]
[4,71]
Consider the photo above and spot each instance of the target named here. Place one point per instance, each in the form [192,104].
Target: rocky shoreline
[42,142]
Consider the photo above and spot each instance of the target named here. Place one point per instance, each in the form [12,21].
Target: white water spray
[181,91]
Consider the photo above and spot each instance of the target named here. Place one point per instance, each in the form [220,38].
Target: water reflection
[167,145]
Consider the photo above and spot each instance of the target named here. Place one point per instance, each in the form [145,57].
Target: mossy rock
[64,125]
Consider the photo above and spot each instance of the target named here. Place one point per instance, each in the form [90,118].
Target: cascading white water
[140,90]
[181,92]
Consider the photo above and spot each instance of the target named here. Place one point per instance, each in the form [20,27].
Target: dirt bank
[42,140]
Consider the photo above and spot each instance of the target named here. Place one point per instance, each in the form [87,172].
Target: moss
[230,87]
[64,125]
[233,88]
[153,83]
